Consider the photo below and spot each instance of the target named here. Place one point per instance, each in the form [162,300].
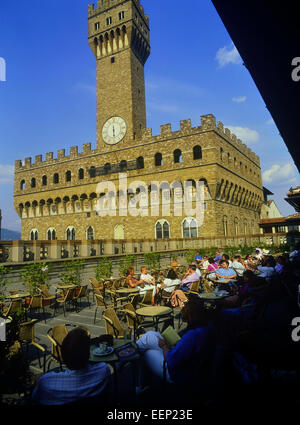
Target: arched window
[22,185]
[33,182]
[177,156]
[93,171]
[51,234]
[197,152]
[44,181]
[56,178]
[70,234]
[123,165]
[158,160]
[140,163]
[189,228]
[225,225]
[68,176]
[236,226]
[107,168]
[90,233]
[34,235]
[81,173]
[162,229]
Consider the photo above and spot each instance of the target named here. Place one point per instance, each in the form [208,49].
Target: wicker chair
[112,324]
[194,289]
[67,299]
[15,306]
[82,293]
[147,298]
[26,336]
[56,335]
[134,323]
[100,302]
[36,303]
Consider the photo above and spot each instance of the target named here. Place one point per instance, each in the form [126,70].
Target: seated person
[131,281]
[211,269]
[178,296]
[174,262]
[198,257]
[205,262]
[238,265]
[226,257]
[224,272]
[268,269]
[140,284]
[148,281]
[168,284]
[258,254]
[81,380]
[190,354]
[218,256]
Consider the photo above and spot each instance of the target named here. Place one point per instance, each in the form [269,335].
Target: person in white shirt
[238,266]
[168,285]
[268,270]
[258,254]
[205,263]
[148,280]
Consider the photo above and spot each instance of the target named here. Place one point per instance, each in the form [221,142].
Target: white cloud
[163,107]
[245,134]
[284,173]
[85,88]
[226,55]
[6,174]
[239,99]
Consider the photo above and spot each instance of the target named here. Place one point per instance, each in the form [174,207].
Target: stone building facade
[59,197]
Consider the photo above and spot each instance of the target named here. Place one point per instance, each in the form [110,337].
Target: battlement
[208,123]
[103,5]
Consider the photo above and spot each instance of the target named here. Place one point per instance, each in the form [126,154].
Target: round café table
[113,360]
[155,313]
[127,291]
[18,295]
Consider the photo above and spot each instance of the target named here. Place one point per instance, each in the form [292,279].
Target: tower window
[97,26]
[81,173]
[158,160]
[68,176]
[56,178]
[121,15]
[112,60]
[197,152]
[109,21]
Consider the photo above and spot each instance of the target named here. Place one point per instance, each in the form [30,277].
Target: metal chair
[113,325]
[100,302]
[82,293]
[147,298]
[15,306]
[36,303]
[134,323]
[26,336]
[64,300]
[56,335]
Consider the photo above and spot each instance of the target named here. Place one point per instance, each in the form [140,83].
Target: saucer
[99,353]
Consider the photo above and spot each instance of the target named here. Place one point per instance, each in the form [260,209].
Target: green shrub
[103,269]
[125,263]
[3,282]
[72,272]
[152,260]
[34,275]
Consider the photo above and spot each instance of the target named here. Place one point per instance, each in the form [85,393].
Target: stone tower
[119,39]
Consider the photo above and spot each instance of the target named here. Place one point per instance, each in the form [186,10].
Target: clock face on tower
[114,130]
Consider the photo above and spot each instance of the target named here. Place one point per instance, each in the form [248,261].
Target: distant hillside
[10,235]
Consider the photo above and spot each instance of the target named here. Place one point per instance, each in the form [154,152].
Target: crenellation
[61,153]
[87,148]
[208,122]
[73,151]
[146,133]
[18,164]
[220,127]
[28,162]
[165,130]
[49,156]
[38,159]
[185,126]
[233,138]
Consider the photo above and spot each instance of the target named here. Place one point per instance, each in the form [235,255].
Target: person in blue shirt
[224,272]
[80,380]
[191,354]
[198,257]
[218,256]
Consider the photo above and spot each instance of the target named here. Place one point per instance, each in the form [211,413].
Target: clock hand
[113,130]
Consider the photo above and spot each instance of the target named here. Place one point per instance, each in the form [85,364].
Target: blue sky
[48,100]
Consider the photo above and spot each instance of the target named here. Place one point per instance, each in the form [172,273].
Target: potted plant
[35,275]
[152,260]
[103,269]
[72,273]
